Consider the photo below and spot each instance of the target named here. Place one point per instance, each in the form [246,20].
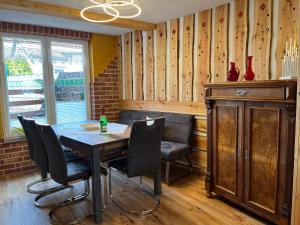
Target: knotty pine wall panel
[241,34]
[173,90]
[149,76]
[138,64]
[200,124]
[120,66]
[184,53]
[249,37]
[221,43]
[288,28]
[203,53]
[160,79]
[127,66]
[261,39]
[187,59]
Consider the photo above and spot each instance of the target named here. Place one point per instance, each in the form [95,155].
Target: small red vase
[249,75]
[234,73]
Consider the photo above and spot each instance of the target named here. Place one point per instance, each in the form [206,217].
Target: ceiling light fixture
[119,3]
[113,2]
[109,7]
[103,6]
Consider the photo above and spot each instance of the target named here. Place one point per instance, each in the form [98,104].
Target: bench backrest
[178,127]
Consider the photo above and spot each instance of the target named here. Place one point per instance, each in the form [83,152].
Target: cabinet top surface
[252,83]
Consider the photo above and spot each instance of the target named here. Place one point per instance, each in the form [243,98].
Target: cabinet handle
[239,153]
[246,154]
[241,92]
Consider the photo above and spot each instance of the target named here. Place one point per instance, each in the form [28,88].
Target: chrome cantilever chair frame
[38,145]
[119,205]
[75,199]
[31,191]
[64,172]
[46,193]
[68,202]
[143,158]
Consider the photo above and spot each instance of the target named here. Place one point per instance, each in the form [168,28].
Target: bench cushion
[172,151]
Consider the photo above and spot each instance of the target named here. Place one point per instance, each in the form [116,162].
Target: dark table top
[73,132]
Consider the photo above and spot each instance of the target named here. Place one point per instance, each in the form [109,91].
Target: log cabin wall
[165,69]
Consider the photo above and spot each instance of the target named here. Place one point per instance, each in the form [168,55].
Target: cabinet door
[262,156]
[227,134]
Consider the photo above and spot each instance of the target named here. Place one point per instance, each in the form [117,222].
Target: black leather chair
[64,172]
[41,160]
[143,158]
[177,136]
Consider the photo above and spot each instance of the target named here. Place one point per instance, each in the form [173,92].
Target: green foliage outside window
[17,67]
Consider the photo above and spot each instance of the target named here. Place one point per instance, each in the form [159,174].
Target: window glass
[23,64]
[31,90]
[69,79]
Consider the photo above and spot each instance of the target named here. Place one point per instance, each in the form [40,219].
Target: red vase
[234,73]
[249,75]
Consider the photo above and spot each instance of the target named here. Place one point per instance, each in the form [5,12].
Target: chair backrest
[40,154]
[144,156]
[56,160]
[28,138]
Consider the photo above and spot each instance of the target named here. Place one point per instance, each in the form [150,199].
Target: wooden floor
[183,203]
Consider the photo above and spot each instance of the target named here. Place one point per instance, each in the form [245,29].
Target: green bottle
[103,121]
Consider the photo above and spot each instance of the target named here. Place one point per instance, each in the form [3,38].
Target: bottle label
[103,124]
[103,128]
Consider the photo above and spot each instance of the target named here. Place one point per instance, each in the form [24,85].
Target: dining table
[95,145]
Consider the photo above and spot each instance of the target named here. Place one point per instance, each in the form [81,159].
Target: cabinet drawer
[248,92]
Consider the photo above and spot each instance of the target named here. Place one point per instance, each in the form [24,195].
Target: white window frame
[86,70]
[49,88]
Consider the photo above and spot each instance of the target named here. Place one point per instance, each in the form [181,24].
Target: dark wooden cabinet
[227,147]
[251,132]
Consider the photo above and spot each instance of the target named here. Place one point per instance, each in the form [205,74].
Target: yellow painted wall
[103,49]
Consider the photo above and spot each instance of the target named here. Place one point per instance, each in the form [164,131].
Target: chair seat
[81,169]
[172,151]
[70,156]
[120,164]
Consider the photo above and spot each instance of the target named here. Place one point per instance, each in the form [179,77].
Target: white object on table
[93,128]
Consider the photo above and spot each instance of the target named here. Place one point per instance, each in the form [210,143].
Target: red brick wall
[14,158]
[105,92]
[43,31]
